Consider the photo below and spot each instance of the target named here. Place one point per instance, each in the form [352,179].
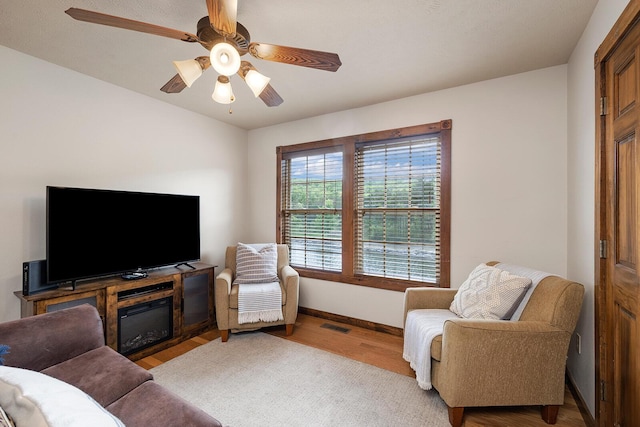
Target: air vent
[335,328]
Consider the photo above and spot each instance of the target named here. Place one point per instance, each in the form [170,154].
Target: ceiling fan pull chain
[230,99]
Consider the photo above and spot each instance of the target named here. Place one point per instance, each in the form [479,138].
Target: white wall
[508,170]
[581,170]
[523,170]
[60,127]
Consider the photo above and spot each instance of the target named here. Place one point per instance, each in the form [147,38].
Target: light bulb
[222,93]
[225,59]
[189,70]
[256,82]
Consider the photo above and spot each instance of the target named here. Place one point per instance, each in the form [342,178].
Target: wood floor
[385,351]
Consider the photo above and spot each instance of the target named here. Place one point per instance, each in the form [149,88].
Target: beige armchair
[500,362]
[226,295]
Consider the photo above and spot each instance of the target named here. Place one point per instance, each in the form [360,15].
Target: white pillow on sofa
[489,293]
[37,400]
[256,264]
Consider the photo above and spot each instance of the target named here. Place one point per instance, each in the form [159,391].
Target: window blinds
[398,208]
[311,200]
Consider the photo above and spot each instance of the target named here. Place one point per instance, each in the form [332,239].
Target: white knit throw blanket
[259,303]
[421,327]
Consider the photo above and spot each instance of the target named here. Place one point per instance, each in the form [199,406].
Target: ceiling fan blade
[268,95]
[295,56]
[129,24]
[223,16]
[176,84]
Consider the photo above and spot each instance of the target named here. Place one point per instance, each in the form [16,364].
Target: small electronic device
[34,277]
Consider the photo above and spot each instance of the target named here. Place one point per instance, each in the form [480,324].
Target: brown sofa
[69,345]
[499,362]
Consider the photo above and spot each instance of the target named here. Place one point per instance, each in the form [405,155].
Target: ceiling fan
[227,40]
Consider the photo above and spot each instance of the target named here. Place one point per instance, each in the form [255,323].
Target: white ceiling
[389,50]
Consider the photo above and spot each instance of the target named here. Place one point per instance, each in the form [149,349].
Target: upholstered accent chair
[479,363]
[226,295]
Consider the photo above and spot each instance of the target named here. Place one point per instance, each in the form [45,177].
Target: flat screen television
[94,233]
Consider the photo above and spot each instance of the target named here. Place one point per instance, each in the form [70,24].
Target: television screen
[93,233]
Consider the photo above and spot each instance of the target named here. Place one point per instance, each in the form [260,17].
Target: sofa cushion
[38,342]
[255,265]
[489,293]
[102,373]
[37,400]
[151,401]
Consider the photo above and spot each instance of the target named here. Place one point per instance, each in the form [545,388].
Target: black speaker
[34,277]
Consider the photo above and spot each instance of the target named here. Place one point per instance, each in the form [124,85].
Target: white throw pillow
[489,293]
[256,265]
[37,400]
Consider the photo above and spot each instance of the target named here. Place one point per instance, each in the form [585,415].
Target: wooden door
[618,224]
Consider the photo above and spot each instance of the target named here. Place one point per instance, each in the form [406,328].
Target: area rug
[256,379]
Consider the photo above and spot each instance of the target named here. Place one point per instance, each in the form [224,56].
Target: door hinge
[603,389]
[603,106]
[603,249]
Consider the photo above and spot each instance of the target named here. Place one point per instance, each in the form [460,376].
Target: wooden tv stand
[191,291]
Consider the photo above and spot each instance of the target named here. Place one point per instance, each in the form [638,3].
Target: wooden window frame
[348,146]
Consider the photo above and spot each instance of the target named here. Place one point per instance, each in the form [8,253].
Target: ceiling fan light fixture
[225,59]
[257,82]
[222,93]
[189,70]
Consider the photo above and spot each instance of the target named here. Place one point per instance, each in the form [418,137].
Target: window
[313,218]
[397,208]
[369,209]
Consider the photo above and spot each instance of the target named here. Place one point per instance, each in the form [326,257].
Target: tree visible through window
[369,209]
[314,217]
[398,208]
